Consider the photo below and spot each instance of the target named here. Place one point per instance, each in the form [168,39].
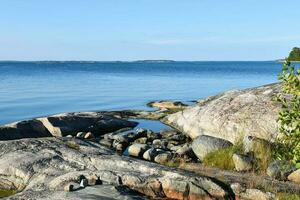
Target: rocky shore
[101,155]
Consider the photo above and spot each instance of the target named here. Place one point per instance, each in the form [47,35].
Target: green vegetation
[287,196]
[6,193]
[222,158]
[288,145]
[294,54]
[262,151]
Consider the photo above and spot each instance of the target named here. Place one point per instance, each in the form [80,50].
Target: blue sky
[148,29]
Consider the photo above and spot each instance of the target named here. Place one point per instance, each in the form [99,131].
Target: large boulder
[205,144]
[231,115]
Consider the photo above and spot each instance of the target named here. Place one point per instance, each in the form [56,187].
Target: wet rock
[137,150]
[242,162]
[231,115]
[280,169]
[205,144]
[295,176]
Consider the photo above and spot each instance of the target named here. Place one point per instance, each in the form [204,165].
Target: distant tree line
[294,54]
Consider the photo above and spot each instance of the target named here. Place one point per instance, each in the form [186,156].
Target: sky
[109,30]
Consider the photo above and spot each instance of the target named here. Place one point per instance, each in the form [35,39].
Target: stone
[137,150]
[295,176]
[280,169]
[167,104]
[69,136]
[151,153]
[205,144]
[255,194]
[242,162]
[89,135]
[80,134]
[142,140]
[231,115]
[237,188]
[163,158]
[83,183]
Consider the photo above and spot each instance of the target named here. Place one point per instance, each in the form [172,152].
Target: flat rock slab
[64,124]
[50,164]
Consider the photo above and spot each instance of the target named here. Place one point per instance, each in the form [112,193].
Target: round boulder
[205,144]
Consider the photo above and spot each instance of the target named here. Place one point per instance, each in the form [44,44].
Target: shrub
[288,144]
[287,196]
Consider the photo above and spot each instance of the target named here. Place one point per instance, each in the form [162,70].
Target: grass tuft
[287,196]
[222,158]
[6,193]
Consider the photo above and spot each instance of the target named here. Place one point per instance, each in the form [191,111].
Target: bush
[288,144]
[287,196]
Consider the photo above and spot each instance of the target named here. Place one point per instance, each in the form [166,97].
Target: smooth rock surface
[43,168]
[231,115]
[295,176]
[64,124]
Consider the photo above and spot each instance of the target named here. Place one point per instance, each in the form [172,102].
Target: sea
[34,89]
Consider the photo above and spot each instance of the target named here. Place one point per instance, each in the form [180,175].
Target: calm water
[31,89]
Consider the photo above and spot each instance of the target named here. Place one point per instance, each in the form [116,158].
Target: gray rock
[205,144]
[231,115]
[44,167]
[295,176]
[64,124]
[242,162]
[151,153]
[280,169]
[137,150]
